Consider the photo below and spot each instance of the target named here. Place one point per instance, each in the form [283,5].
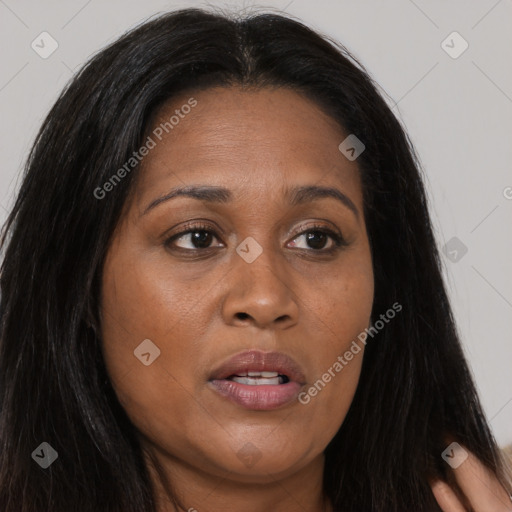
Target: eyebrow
[215,194]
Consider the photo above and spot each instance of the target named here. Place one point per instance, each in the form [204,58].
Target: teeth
[255,381]
[267,375]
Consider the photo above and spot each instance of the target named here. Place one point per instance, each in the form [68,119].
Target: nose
[260,293]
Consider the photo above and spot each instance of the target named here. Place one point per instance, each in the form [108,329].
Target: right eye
[198,236]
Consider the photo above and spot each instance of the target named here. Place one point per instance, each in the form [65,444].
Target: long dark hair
[415,390]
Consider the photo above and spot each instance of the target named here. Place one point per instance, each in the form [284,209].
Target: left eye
[318,238]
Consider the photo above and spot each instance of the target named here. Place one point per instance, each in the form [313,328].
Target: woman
[221,291]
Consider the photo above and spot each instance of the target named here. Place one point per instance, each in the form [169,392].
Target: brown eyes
[199,237]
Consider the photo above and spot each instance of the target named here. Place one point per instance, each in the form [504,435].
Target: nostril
[242,316]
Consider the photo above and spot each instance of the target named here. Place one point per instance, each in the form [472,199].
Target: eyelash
[338,240]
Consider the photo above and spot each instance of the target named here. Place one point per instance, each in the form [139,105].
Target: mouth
[258,380]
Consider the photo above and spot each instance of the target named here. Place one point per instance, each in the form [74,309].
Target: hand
[482,491]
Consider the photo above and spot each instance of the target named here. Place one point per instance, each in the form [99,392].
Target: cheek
[341,311]
[341,304]
[137,307]
[141,303]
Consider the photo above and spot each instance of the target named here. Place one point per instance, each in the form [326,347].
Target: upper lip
[258,361]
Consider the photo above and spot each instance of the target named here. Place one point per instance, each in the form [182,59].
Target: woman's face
[258,271]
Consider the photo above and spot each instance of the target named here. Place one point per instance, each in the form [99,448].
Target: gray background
[456,110]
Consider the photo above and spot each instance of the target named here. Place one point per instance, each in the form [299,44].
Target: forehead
[255,140]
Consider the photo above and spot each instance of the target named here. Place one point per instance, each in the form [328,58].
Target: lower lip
[258,398]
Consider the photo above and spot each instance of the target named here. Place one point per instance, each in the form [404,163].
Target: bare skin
[297,298]
[479,491]
[200,302]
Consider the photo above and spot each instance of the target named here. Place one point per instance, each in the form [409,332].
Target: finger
[481,487]
[446,498]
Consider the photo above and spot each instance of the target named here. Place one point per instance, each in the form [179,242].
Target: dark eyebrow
[304,194]
[214,194]
[208,193]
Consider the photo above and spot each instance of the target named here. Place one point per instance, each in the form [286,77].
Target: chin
[250,464]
